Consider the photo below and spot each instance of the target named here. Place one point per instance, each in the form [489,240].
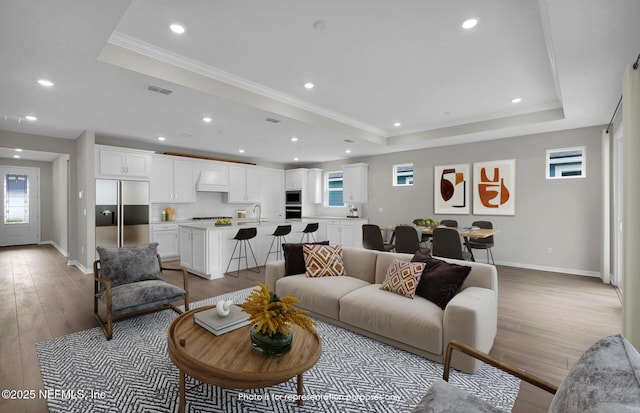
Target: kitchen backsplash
[207,204]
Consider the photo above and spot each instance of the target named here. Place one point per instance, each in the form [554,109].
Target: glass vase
[274,345]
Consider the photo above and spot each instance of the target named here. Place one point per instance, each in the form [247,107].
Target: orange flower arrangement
[274,315]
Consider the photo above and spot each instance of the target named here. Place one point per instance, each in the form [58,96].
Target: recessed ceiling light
[469,23]
[396,124]
[241,150]
[295,159]
[516,100]
[207,119]
[30,118]
[309,85]
[161,138]
[177,28]
[348,151]
[45,82]
[294,139]
[16,156]
[18,149]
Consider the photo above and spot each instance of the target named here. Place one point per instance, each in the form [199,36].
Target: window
[16,195]
[334,185]
[403,174]
[566,163]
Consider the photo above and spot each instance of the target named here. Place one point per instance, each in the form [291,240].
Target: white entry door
[20,215]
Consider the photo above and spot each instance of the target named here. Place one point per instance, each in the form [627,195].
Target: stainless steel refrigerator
[122,213]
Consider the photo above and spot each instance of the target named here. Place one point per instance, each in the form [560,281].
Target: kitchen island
[205,248]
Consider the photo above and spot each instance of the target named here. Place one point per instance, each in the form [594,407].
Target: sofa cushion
[416,322]
[320,295]
[443,397]
[323,260]
[129,264]
[606,378]
[360,263]
[440,280]
[402,277]
[294,257]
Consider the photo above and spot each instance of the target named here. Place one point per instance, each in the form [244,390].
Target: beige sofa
[356,302]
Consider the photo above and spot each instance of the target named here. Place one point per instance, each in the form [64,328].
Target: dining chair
[482,243]
[407,240]
[372,238]
[425,237]
[451,223]
[447,244]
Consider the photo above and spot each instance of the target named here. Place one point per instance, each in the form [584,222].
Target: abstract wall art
[451,189]
[494,186]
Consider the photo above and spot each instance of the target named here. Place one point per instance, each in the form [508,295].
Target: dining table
[465,232]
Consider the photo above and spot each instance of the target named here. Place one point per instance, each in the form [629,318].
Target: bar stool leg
[231,259]
[254,257]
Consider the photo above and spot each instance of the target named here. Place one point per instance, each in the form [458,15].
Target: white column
[631,224]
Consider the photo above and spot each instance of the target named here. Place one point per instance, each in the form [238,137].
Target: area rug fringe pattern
[83,372]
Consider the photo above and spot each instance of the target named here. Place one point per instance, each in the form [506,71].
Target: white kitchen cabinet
[244,184]
[347,232]
[193,249]
[295,178]
[315,186]
[168,239]
[125,163]
[355,183]
[272,193]
[172,180]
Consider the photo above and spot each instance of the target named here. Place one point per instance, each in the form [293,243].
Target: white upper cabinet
[172,180]
[315,186]
[355,183]
[114,162]
[244,184]
[294,178]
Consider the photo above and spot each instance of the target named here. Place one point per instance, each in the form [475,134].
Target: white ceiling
[376,62]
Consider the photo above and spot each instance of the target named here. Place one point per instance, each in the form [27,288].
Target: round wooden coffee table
[230,361]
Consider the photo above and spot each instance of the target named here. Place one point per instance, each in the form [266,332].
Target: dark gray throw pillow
[129,264]
[294,257]
[440,280]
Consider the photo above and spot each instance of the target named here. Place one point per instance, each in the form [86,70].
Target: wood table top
[230,361]
[464,232]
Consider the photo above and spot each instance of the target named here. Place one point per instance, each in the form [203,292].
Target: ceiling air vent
[272,120]
[159,89]
[349,140]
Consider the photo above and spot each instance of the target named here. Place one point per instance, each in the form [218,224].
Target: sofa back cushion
[384,260]
[360,263]
[129,264]
[606,378]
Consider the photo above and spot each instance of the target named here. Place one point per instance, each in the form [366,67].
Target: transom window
[16,195]
[403,174]
[334,186]
[566,163]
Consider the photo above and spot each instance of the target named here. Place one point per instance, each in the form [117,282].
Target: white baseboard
[56,246]
[550,269]
[80,266]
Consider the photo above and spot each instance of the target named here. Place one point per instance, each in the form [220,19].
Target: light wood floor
[545,320]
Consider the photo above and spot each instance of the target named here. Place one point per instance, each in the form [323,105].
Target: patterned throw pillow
[403,277]
[323,260]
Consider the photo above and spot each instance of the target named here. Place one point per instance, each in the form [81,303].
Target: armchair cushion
[443,397]
[130,264]
[142,295]
[606,378]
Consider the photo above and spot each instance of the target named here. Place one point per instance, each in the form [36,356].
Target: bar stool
[278,235]
[242,238]
[308,231]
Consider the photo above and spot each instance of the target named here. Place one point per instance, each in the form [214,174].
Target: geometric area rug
[83,372]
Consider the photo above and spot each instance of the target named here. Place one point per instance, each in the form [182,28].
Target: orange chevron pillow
[323,260]
[403,277]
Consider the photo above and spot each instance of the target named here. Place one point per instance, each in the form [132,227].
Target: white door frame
[21,234]
[617,275]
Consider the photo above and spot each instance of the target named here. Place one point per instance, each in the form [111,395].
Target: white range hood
[213,180]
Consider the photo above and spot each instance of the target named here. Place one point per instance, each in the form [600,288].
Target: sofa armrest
[274,271]
[472,318]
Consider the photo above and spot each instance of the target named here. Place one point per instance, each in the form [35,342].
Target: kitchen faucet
[259,212]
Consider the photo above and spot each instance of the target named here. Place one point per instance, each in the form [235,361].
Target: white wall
[563,215]
[60,206]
